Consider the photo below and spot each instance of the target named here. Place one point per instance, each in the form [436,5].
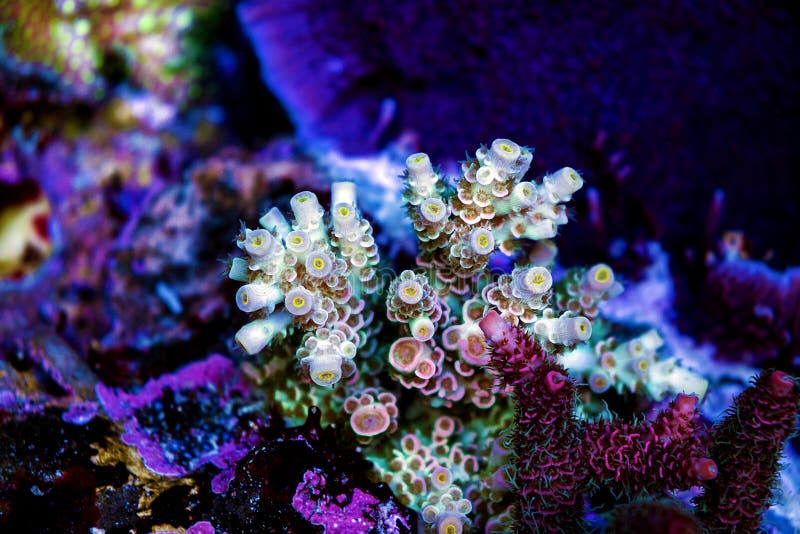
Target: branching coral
[669,452]
[459,338]
[319,281]
[490,207]
[748,445]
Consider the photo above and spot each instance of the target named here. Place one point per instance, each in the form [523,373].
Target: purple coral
[549,477]
[558,460]
[747,447]
[652,516]
[668,453]
[182,421]
[752,310]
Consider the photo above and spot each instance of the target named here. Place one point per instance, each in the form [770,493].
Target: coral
[372,413]
[581,290]
[521,294]
[430,472]
[549,478]
[498,394]
[411,299]
[319,282]
[750,311]
[489,208]
[77,43]
[747,448]
[633,366]
[652,457]
[558,460]
[359,75]
[736,464]
[652,516]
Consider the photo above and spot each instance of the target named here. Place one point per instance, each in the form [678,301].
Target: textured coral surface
[236,306]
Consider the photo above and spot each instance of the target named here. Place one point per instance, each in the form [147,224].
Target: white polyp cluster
[531,282]
[633,366]
[434,210]
[274,221]
[258,296]
[564,330]
[317,278]
[599,381]
[450,523]
[507,157]
[343,193]
[421,176]
[553,212]
[486,175]
[538,230]
[258,243]
[599,283]
[598,278]
[319,264]
[523,195]
[325,370]
[481,241]
[307,211]
[561,185]
[256,335]
[299,301]
[327,351]
[445,507]
[352,237]
[667,376]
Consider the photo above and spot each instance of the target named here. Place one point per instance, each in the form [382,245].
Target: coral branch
[748,444]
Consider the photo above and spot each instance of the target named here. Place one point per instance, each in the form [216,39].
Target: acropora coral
[557,459]
[461,333]
[249,282]
[480,385]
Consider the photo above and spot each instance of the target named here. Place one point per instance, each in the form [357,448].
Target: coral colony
[478,387]
[330,334]
[467,349]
